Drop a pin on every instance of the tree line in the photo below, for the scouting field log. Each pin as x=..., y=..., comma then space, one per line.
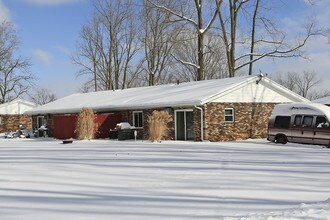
x=130, y=43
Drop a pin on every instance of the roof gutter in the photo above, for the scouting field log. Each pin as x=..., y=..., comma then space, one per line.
x=202, y=122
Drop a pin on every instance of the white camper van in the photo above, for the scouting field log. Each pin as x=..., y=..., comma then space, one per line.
x=300, y=123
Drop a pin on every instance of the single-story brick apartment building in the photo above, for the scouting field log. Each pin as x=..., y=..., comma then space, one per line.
x=212, y=110
x=12, y=114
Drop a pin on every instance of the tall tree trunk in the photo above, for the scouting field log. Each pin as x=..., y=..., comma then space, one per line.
x=151, y=79
x=200, y=70
x=95, y=73
x=253, y=36
x=200, y=32
x=233, y=19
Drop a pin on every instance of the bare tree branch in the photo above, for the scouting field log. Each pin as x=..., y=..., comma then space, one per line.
x=15, y=78
x=266, y=40
x=200, y=30
x=194, y=23
x=303, y=84
x=43, y=96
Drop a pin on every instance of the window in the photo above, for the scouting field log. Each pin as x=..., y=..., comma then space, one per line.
x=297, y=120
x=229, y=115
x=282, y=122
x=307, y=121
x=137, y=119
x=321, y=122
x=1, y=120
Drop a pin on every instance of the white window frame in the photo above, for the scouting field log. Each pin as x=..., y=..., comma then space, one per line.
x=229, y=115
x=138, y=112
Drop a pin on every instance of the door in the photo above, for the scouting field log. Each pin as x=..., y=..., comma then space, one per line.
x=184, y=125
x=303, y=131
x=40, y=121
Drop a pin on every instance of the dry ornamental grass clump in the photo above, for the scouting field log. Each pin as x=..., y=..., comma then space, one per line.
x=158, y=125
x=86, y=124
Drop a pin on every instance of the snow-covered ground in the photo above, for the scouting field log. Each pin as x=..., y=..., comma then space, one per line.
x=104, y=179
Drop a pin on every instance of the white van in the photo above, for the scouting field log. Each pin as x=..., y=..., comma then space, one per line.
x=300, y=123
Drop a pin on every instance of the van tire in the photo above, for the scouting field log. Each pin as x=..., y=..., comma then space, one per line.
x=281, y=139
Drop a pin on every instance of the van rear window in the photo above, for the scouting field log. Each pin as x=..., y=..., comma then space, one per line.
x=282, y=121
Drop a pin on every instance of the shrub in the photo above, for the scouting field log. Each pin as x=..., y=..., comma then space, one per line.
x=158, y=125
x=86, y=124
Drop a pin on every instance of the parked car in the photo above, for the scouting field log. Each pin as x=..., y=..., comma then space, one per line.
x=300, y=123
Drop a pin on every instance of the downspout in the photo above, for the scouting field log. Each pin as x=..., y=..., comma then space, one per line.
x=202, y=122
x=18, y=108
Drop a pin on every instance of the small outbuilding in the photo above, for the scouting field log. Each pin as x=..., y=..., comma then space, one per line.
x=213, y=110
x=12, y=114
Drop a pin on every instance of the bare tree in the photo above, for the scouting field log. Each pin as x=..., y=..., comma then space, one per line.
x=264, y=39
x=120, y=23
x=194, y=14
x=156, y=38
x=109, y=44
x=43, y=96
x=288, y=80
x=214, y=58
x=317, y=94
x=15, y=78
x=304, y=84
x=88, y=55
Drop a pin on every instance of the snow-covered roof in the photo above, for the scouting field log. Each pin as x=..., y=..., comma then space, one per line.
x=17, y=106
x=324, y=100
x=170, y=95
x=301, y=108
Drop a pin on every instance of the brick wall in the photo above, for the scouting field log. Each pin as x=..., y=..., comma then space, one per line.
x=251, y=121
x=11, y=122
x=197, y=124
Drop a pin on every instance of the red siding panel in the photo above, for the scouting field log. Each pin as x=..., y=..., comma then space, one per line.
x=65, y=125
x=105, y=122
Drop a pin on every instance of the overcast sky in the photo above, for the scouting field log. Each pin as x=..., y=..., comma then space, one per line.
x=49, y=30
